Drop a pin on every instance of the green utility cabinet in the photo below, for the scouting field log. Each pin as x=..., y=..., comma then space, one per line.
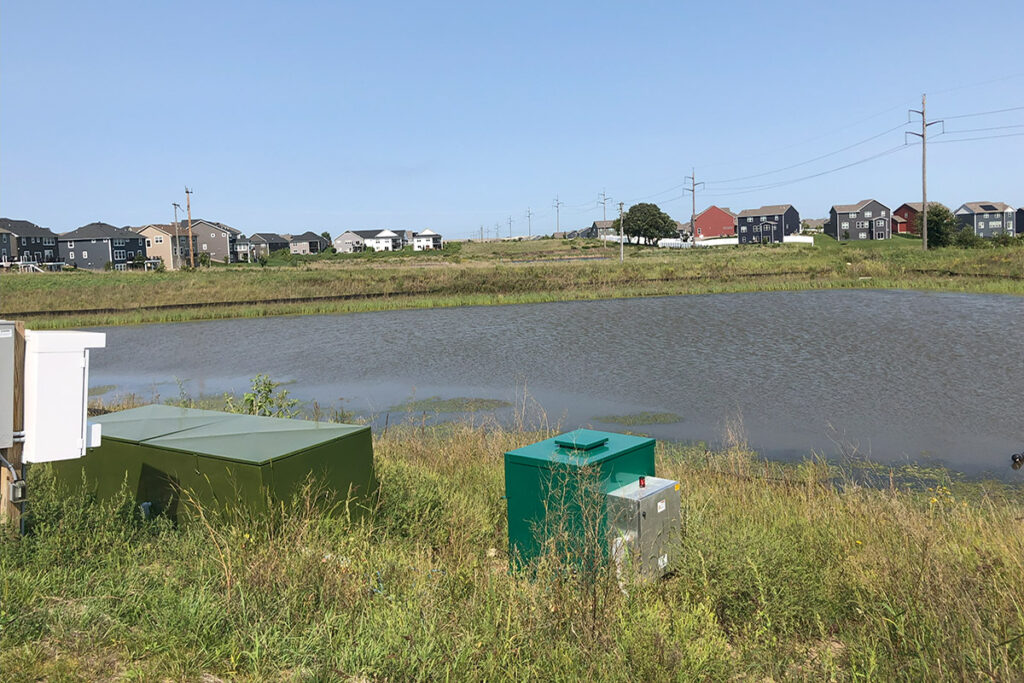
x=549, y=484
x=225, y=460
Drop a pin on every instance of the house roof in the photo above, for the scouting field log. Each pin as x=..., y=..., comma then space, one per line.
x=429, y=233
x=815, y=222
x=773, y=209
x=916, y=206
x=726, y=210
x=166, y=228
x=851, y=208
x=225, y=228
x=308, y=236
x=100, y=231
x=25, y=228
x=603, y=224
x=897, y=219
x=986, y=207
x=266, y=237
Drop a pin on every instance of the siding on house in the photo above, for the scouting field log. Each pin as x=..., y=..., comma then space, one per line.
x=265, y=243
x=715, y=222
x=987, y=219
x=307, y=243
x=426, y=240
x=867, y=219
x=163, y=243
x=909, y=213
x=95, y=245
x=767, y=224
x=29, y=242
x=215, y=239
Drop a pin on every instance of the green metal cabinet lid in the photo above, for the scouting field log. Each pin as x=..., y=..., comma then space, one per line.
x=148, y=422
x=580, y=447
x=582, y=439
x=242, y=438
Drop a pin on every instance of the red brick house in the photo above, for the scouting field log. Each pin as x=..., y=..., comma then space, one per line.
x=907, y=215
x=715, y=222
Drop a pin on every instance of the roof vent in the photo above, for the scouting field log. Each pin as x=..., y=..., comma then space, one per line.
x=582, y=439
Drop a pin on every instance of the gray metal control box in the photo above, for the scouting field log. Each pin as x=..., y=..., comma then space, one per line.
x=6, y=384
x=644, y=525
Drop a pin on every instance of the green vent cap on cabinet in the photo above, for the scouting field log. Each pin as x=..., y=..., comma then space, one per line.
x=582, y=439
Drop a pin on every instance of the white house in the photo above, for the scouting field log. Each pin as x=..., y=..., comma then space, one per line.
x=428, y=239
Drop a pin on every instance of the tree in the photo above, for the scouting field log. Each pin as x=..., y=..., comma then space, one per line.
x=942, y=225
x=647, y=222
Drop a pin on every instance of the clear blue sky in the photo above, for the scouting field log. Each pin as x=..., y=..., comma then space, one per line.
x=288, y=116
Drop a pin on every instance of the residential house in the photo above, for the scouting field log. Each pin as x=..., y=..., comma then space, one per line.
x=1019, y=223
x=598, y=230
x=265, y=243
x=29, y=243
x=904, y=219
x=7, y=239
x=714, y=222
x=215, y=239
x=987, y=219
x=307, y=243
x=95, y=245
x=768, y=224
x=426, y=240
x=350, y=241
x=868, y=219
x=242, y=248
x=169, y=243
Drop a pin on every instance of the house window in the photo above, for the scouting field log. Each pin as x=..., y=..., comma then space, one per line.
x=862, y=224
x=852, y=215
x=204, y=246
x=750, y=219
x=71, y=255
x=995, y=224
x=981, y=225
x=24, y=241
x=149, y=243
x=49, y=241
x=880, y=236
x=120, y=266
x=71, y=244
x=743, y=228
x=880, y=223
x=118, y=243
x=131, y=254
x=119, y=254
x=867, y=214
x=845, y=225
x=159, y=240
x=85, y=254
x=213, y=235
x=881, y=213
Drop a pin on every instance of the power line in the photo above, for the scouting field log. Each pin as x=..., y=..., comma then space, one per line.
x=757, y=188
x=810, y=161
x=985, y=113
x=983, y=137
x=978, y=130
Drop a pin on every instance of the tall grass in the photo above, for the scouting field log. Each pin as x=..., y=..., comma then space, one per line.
x=381, y=284
x=783, y=575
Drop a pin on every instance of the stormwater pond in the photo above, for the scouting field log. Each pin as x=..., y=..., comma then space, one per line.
x=893, y=376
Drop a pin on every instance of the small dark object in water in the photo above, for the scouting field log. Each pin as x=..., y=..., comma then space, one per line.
x=1018, y=460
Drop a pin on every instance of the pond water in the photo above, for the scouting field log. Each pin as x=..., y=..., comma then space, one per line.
x=897, y=376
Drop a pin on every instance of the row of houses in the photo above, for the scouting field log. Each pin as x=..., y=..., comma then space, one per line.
x=99, y=246
x=867, y=219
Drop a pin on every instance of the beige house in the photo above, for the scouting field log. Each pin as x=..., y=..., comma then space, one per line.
x=163, y=243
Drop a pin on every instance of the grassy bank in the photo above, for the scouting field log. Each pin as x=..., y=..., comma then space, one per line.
x=782, y=575
x=494, y=273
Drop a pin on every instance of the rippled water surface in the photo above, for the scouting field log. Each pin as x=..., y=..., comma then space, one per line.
x=897, y=375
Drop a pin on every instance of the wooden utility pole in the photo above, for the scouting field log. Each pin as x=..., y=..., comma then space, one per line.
x=176, y=238
x=191, y=251
x=693, y=206
x=622, y=248
x=8, y=510
x=924, y=170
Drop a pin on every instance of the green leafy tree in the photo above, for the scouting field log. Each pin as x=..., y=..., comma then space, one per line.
x=942, y=226
x=203, y=259
x=647, y=222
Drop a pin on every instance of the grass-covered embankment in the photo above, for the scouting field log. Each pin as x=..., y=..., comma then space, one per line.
x=479, y=274
x=782, y=576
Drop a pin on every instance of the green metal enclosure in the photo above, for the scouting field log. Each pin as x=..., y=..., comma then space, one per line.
x=224, y=460
x=549, y=486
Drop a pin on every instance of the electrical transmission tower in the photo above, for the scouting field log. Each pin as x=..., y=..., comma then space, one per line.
x=558, y=216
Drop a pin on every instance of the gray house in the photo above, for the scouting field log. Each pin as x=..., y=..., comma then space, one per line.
x=987, y=219
x=868, y=219
x=6, y=250
x=768, y=224
x=29, y=242
x=307, y=243
x=352, y=241
x=216, y=239
x=265, y=243
x=377, y=240
x=95, y=245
